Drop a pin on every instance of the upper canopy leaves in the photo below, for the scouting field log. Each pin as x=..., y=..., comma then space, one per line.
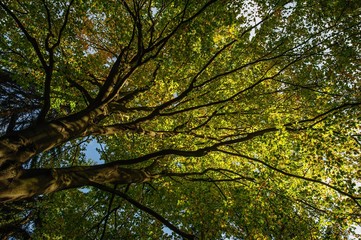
x=227, y=118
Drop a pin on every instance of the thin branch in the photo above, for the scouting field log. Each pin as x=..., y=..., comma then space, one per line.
x=108, y=213
x=324, y=114
x=31, y=39
x=83, y=91
x=204, y=172
x=238, y=154
x=214, y=147
x=63, y=26
x=50, y=33
x=145, y=209
x=50, y=67
x=132, y=94
x=219, y=189
x=161, y=43
x=97, y=225
x=355, y=137
x=190, y=87
x=114, y=81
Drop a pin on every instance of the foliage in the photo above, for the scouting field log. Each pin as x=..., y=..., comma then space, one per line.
x=222, y=119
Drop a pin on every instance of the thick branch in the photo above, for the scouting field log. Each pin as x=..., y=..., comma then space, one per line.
x=18, y=147
x=35, y=182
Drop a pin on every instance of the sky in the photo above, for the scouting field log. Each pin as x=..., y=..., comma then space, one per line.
x=92, y=152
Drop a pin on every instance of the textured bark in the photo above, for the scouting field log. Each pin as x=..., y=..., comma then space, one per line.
x=33, y=182
x=18, y=147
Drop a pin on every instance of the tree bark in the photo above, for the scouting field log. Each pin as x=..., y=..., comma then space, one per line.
x=33, y=182
x=18, y=147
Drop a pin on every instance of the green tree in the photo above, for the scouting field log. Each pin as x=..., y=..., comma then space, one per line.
x=215, y=119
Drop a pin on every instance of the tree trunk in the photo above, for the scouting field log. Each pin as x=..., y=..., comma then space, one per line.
x=33, y=182
x=18, y=147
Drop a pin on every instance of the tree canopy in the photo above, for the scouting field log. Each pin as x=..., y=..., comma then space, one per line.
x=214, y=119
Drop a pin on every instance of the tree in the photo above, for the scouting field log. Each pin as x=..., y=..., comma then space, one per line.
x=214, y=119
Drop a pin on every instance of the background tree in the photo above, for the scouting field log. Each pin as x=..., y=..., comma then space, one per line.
x=214, y=119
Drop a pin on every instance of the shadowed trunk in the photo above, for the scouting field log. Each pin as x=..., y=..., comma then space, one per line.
x=35, y=182
x=18, y=147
